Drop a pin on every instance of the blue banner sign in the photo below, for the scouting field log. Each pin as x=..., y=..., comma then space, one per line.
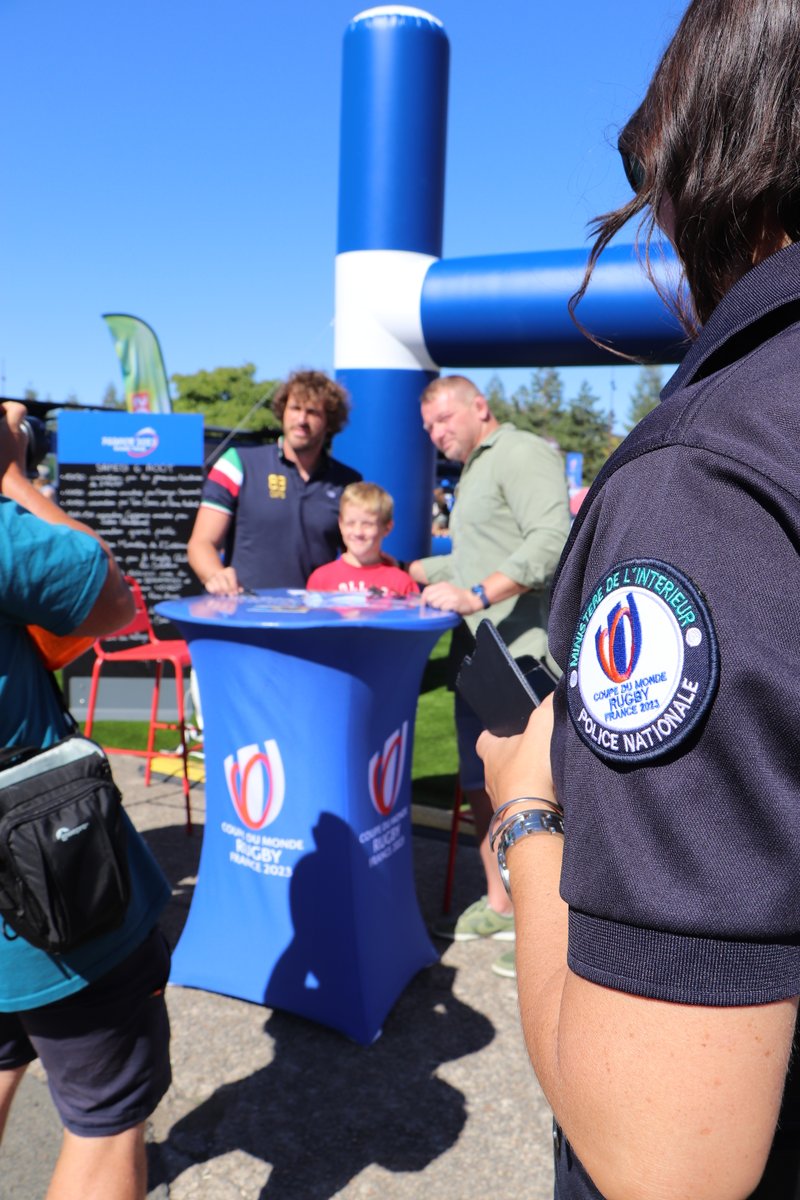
x=131, y=439
x=574, y=460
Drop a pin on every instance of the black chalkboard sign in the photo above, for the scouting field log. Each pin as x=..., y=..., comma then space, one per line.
x=146, y=514
x=136, y=480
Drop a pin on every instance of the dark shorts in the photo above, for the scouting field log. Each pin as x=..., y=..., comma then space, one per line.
x=105, y=1049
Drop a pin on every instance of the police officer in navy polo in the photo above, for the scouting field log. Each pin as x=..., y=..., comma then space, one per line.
x=647, y=822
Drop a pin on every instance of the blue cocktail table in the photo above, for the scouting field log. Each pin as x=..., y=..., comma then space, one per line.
x=305, y=896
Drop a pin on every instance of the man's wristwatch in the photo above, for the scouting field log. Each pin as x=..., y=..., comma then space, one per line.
x=480, y=591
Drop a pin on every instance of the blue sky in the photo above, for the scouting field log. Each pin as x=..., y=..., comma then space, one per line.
x=179, y=161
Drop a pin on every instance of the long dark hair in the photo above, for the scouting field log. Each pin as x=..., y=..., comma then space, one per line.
x=717, y=143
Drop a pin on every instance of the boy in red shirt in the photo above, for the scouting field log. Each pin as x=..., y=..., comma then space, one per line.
x=365, y=519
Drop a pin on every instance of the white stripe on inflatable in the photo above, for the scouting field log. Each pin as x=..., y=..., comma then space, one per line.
x=399, y=10
x=378, y=324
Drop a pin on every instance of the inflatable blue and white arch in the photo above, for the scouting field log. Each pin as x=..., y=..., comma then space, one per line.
x=402, y=312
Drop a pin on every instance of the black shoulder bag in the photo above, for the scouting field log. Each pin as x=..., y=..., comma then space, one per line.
x=64, y=875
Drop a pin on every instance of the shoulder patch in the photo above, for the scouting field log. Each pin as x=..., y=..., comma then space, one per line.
x=644, y=663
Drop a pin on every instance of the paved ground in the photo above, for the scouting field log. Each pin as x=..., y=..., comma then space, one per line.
x=267, y=1106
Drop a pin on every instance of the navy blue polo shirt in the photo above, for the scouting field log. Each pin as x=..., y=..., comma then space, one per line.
x=675, y=620
x=283, y=527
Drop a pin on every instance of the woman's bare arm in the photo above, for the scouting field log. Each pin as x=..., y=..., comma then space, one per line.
x=660, y=1101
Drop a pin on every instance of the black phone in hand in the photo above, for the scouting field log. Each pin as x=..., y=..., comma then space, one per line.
x=501, y=690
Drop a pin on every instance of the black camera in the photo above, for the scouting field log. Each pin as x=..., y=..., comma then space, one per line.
x=39, y=442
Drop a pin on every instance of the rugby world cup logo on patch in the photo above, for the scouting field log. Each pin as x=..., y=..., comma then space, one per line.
x=644, y=664
x=618, y=644
x=386, y=771
x=256, y=783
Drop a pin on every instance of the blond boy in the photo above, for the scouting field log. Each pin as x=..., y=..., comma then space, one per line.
x=365, y=519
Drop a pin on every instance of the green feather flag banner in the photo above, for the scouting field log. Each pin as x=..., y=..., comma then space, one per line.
x=143, y=374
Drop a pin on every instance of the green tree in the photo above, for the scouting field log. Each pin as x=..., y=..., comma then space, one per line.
x=539, y=406
x=583, y=427
x=644, y=396
x=573, y=425
x=112, y=398
x=225, y=397
x=495, y=393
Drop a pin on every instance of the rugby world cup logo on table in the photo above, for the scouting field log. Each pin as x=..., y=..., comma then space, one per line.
x=386, y=771
x=256, y=783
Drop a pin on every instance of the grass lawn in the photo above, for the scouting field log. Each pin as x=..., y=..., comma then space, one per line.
x=433, y=768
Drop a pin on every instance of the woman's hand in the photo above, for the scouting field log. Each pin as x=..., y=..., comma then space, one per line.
x=520, y=766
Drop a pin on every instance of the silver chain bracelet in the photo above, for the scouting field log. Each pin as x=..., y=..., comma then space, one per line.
x=519, y=826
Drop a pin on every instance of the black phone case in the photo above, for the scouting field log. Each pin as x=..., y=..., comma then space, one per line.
x=498, y=689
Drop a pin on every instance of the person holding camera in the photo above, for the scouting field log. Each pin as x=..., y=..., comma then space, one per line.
x=648, y=820
x=95, y=1016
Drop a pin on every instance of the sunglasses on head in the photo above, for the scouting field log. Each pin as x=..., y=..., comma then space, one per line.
x=633, y=168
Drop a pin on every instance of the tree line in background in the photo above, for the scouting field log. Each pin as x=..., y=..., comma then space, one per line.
x=230, y=397
x=226, y=396
x=576, y=424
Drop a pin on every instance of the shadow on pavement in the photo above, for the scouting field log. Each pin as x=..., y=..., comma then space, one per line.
x=325, y=1108
x=178, y=855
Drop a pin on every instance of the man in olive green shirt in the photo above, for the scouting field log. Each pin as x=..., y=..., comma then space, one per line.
x=508, y=527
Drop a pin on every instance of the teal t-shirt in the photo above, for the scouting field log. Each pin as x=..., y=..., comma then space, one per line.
x=51, y=575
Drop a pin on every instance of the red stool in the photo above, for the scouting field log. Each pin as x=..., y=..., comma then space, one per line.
x=157, y=651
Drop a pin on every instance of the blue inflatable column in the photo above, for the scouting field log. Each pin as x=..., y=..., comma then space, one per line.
x=391, y=203
x=512, y=310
